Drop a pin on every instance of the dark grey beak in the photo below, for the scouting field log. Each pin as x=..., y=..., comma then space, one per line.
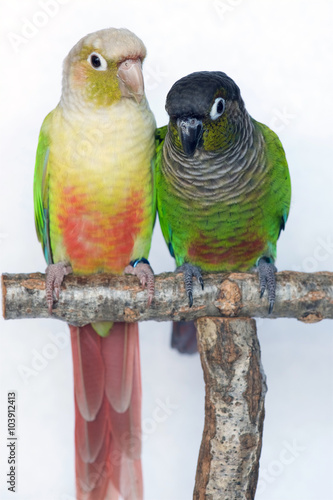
x=190, y=132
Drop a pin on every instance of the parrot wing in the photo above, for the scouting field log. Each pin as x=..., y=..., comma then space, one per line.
x=41, y=189
x=280, y=183
x=159, y=141
x=160, y=134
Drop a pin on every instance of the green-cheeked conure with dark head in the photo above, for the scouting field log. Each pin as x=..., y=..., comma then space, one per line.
x=223, y=185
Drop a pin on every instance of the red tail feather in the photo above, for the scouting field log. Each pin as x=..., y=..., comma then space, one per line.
x=107, y=387
x=119, y=346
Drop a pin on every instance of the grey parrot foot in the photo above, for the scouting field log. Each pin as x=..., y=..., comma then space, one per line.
x=141, y=268
x=189, y=271
x=55, y=274
x=267, y=281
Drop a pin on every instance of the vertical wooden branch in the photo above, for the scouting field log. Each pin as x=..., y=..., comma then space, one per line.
x=228, y=461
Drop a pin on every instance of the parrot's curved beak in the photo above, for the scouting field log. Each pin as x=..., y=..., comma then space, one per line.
x=190, y=133
x=131, y=79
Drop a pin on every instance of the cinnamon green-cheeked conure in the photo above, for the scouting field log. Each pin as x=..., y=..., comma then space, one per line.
x=94, y=212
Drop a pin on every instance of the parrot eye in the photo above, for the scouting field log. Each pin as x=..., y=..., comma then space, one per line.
x=97, y=61
x=217, y=108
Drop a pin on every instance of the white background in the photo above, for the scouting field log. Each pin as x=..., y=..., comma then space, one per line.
x=279, y=52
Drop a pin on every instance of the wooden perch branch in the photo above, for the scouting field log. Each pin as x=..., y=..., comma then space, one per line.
x=83, y=299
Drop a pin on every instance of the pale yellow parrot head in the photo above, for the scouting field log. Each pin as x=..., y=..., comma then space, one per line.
x=104, y=67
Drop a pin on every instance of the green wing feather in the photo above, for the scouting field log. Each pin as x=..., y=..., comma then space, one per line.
x=160, y=134
x=41, y=191
x=166, y=230
x=280, y=183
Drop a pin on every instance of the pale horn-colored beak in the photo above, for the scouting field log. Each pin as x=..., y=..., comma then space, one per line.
x=131, y=79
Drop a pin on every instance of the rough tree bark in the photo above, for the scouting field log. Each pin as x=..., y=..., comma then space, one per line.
x=83, y=299
x=235, y=383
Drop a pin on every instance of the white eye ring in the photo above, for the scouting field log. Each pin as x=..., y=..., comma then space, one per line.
x=217, y=108
x=97, y=61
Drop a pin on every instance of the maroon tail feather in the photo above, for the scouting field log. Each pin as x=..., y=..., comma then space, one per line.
x=107, y=386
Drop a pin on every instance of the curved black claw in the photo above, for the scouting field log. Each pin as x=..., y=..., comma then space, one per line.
x=55, y=274
x=189, y=271
x=267, y=272
x=190, y=297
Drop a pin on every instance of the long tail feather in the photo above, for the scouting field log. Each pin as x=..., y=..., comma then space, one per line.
x=107, y=386
x=120, y=346
x=88, y=370
x=90, y=435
